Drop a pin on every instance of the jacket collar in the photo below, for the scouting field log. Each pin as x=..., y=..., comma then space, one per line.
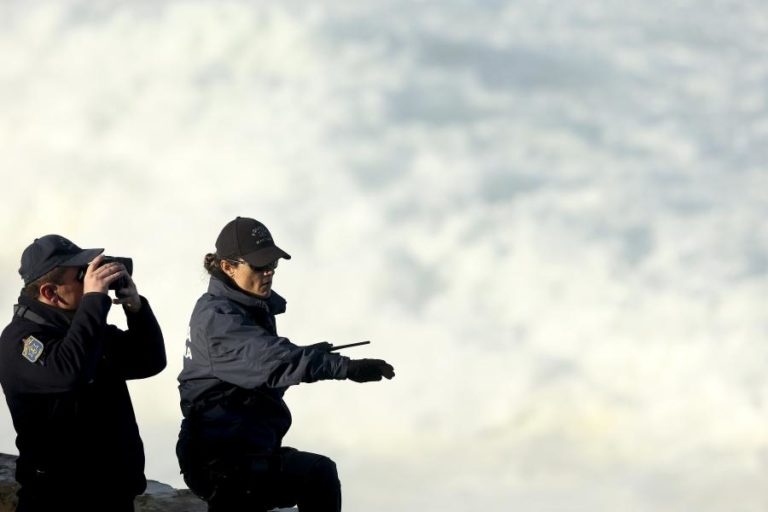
x=43, y=314
x=275, y=304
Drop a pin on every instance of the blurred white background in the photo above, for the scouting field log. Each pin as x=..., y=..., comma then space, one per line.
x=549, y=216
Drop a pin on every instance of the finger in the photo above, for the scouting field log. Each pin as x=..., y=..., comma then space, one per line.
x=126, y=277
x=111, y=276
x=102, y=270
x=112, y=267
x=95, y=262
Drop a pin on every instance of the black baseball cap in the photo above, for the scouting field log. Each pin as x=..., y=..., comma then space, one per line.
x=248, y=239
x=49, y=252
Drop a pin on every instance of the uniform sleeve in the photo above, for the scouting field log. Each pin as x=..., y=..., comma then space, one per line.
x=245, y=354
x=138, y=352
x=69, y=361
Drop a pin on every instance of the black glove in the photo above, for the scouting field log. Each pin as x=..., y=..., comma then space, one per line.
x=367, y=370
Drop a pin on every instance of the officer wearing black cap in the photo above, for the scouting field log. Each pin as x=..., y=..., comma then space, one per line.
x=63, y=370
x=236, y=370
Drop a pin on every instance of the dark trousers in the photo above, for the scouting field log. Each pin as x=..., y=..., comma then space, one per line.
x=258, y=483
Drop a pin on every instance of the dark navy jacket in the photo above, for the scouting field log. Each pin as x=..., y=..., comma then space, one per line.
x=236, y=370
x=70, y=405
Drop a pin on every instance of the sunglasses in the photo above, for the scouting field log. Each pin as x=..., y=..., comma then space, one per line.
x=263, y=268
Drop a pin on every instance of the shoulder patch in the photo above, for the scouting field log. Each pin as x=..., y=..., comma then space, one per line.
x=33, y=349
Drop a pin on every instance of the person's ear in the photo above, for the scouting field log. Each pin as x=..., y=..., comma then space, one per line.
x=227, y=267
x=48, y=292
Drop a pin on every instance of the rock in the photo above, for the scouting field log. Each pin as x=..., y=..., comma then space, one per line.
x=8, y=485
x=159, y=497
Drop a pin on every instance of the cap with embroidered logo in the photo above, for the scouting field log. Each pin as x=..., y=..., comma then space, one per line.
x=248, y=239
x=49, y=252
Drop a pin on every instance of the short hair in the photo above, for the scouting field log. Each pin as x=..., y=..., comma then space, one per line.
x=55, y=276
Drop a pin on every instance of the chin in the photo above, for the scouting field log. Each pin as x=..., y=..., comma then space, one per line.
x=260, y=294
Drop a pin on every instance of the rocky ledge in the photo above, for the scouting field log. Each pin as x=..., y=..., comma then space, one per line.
x=159, y=497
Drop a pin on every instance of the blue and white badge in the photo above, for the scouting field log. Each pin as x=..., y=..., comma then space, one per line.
x=33, y=349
